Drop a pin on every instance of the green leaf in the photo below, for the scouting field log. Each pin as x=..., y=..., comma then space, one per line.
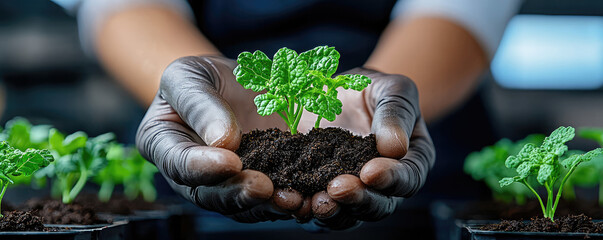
x=253, y=71
x=18, y=133
x=289, y=73
x=66, y=164
x=353, y=81
x=66, y=145
x=14, y=162
x=507, y=181
x=525, y=169
x=323, y=105
x=574, y=160
x=269, y=103
x=555, y=143
x=545, y=172
x=323, y=59
x=30, y=161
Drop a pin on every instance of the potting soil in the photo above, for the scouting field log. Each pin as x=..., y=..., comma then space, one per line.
x=306, y=162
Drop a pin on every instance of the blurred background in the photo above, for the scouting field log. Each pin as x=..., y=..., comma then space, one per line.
x=547, y=72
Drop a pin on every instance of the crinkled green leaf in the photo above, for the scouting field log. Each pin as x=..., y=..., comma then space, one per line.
x=323, y=59
x=289, y=73
x=30, y=161
x=253, y=71
x=555, y=143
x=14, y=162
x=507, y=181
x=353, y=81
x=269, y=103
x=574, y=160
x=323, y=105
x=545, y=172
x=513, y=162
x=525, y=169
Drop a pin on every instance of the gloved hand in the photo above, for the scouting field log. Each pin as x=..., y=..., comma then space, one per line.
x=389, y=108
x=191, y=130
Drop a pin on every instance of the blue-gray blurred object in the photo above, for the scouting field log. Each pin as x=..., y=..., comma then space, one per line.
x=551, y=52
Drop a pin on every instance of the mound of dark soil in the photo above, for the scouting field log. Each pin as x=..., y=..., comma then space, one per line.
x=306, y=162
x=573, y=223
x=55, y=212
x=21, y=221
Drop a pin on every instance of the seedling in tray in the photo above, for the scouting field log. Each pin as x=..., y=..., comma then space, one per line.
x=543, y=162
x=14, y=162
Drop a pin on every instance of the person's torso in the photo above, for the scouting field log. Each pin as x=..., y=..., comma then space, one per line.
x=353, y=27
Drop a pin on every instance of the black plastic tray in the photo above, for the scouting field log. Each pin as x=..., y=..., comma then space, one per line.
x=112, y=231
x=471, y=232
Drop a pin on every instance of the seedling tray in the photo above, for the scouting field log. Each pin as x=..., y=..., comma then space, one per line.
x=472, y=232
x=72, y=232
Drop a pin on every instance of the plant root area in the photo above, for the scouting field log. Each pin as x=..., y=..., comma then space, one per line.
x=21, y=221
x=306, y=162
x=573, y=223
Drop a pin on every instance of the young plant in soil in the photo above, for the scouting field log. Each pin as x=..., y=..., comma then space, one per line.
x=14, y=162
x=293, y=82
x=77, y=160
x=128, y=168
x=543, y=163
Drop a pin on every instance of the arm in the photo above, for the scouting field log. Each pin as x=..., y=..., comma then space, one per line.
x=137, y=44
x=441, y=57
x=443, y=45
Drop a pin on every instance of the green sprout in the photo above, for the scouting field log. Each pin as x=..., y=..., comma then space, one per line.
x=488, y=165
x=294, y=82
x=128, y=168
x=14, y=162
x=543, y=162
x=77, y=160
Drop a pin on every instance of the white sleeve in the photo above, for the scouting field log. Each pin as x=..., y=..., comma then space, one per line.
x=484, y=19
x=92, y=13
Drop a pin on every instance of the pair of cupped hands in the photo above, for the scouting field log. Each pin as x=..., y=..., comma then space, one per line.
x=196, y=121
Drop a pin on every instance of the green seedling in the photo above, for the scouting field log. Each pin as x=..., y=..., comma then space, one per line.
x=543, y=163
x=21, y=134
x=294, y=82
x=140, y=180
x=14, y=162
x=488, y=165
x=77, y=160
x=128, y=168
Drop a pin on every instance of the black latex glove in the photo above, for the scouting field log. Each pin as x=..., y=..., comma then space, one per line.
x=191, y=130
x=389, y=108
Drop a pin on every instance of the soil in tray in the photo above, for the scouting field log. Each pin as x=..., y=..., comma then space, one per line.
x=573, y=223
x=306, y=162
x=55, y=212
x=21, y=221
